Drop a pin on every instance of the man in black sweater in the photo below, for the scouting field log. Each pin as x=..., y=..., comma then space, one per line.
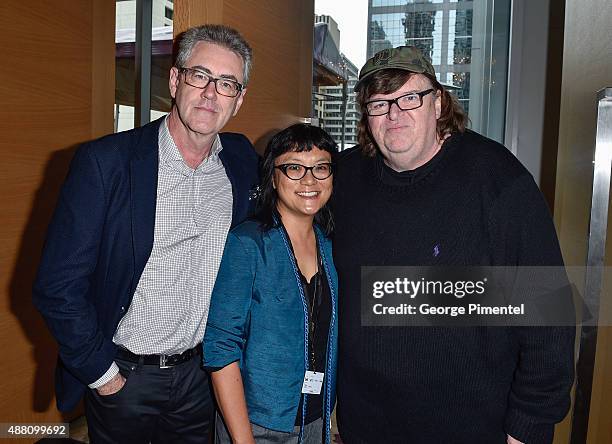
x=421, y=190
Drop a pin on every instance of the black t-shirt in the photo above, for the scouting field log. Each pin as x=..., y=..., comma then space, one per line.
x=319, y=311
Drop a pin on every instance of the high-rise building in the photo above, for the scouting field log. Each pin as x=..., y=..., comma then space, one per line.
x=334, y=106
x=329, y=108
x=378, y=38
x=332, y=27
x=441, y=29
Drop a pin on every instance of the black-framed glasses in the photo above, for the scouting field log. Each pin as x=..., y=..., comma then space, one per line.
x=200, y=79
x=413, y=100
x=296, y=171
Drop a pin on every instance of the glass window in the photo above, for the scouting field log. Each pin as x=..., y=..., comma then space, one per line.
x=125, y=73
x=467, y=43
x=466, y=40
x=391, y=2
x=161, y=60
x=161, y=57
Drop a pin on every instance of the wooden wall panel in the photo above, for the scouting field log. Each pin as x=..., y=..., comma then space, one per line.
x=280, y=33
x=57, y=69
x=188, y=13
x=306, y=27
x=587, y=67
x=103, y=68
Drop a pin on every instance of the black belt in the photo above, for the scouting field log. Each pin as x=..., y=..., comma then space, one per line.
x=163, y=361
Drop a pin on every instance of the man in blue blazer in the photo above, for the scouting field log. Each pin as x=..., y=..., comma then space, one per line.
x=133, y=250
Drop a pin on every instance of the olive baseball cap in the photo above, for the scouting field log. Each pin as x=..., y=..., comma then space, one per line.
x=408, y=58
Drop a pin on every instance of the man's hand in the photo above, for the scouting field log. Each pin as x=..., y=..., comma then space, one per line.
x=512, y=440
x=113, y=386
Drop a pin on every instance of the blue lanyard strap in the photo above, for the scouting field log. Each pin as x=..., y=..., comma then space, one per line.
x=292, y=259
x=327, y=416
x=285, y=236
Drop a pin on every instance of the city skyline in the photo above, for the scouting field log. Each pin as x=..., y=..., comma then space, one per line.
x=352, y=19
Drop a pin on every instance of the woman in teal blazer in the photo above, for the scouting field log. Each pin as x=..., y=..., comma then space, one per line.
x=271, y=335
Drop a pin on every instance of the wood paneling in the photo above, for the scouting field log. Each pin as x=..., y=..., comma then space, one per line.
x=280, y=33
x=57, y=87
x=103, y=68
x=188, y=13
x=587, y=67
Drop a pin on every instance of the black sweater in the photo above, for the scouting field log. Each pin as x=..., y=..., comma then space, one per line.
x=472, y=204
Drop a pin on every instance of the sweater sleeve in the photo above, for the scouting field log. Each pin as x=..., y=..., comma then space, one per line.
x=522, y=234
x=228, y=316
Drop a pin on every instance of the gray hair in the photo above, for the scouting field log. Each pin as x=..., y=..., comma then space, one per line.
x=220, y=35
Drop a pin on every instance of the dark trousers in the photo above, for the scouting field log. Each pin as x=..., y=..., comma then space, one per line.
x=157, y=405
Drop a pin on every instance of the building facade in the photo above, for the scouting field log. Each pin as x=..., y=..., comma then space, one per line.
x=442, y=29
x=335, y=104
x=467, y=42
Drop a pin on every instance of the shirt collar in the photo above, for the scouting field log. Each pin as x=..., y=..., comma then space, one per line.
x=169, y=152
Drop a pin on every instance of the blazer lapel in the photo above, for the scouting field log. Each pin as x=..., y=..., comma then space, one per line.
x=227, y=159
x=143, y=177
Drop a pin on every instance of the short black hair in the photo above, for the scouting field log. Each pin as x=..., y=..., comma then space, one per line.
x=297, y=138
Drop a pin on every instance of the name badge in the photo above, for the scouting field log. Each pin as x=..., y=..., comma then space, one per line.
x=313, y=382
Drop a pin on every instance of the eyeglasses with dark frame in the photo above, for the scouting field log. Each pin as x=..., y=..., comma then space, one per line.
x=200, y=79
x=406, y=102
x=296, y=171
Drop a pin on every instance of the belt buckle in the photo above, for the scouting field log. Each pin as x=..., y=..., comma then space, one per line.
x=162, y=361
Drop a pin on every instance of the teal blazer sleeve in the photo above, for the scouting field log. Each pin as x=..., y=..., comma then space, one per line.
x=228, y=317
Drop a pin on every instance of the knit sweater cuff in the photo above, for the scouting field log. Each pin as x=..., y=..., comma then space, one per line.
x=525, y=429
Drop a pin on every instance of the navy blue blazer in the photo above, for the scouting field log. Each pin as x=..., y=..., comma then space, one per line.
x=99, y=240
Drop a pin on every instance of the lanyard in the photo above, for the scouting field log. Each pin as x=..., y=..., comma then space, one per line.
x=313, y=320
x=313, y=316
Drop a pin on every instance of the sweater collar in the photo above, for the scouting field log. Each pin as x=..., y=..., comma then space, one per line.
x=389, y=176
